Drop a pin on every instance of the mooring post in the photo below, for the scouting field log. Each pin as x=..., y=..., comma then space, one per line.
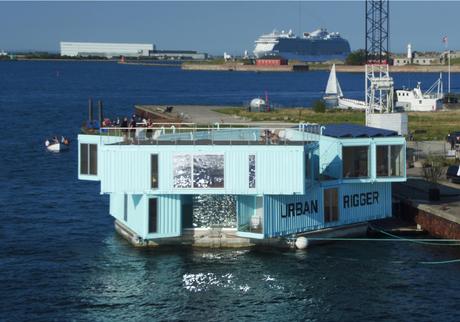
x=101, y=116
x=90, y=109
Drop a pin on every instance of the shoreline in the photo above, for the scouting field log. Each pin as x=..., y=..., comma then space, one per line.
x=239, y=67
x=312, y=67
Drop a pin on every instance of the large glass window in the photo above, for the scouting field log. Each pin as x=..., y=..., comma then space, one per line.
x=251, y=215
x=154, y=171
x=88, y=159
x=389, y=160
x=355, y=161
x=331, y=205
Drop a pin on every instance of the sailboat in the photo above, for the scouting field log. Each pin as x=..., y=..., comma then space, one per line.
x=334, y=96
x=333, y=90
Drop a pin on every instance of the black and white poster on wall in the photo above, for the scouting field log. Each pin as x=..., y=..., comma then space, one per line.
x=198, y=171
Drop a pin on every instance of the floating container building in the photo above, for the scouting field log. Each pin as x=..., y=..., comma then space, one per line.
x=258, y=182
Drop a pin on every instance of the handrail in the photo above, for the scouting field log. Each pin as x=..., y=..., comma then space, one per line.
x=211, y=135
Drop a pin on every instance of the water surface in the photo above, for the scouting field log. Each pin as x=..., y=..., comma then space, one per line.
x=60, y=258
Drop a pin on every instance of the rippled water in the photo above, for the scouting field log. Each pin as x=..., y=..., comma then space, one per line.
x=61, y=260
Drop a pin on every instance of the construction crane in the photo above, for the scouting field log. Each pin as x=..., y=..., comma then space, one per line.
x=379, y=85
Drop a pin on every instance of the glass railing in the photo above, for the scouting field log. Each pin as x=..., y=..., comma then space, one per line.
x=218, y=134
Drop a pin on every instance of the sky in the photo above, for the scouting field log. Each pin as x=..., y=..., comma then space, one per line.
x=215, y=27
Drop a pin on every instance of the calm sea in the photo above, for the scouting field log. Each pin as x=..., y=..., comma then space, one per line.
x=61, y=260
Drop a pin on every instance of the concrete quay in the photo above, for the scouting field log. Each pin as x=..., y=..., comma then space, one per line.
x=198, y=114
x=439, y=219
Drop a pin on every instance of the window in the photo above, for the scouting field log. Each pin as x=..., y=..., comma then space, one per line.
x=88, y=159
x=154, y=171
x=355, y=161
x=252, y=171
x=331, y=205
x=153, y=209
x=125, y=207
x=389, y=160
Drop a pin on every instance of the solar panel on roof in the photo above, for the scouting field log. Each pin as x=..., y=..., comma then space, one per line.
x=355, y=131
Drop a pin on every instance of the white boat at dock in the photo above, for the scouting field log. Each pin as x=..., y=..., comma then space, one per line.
x=417, y=101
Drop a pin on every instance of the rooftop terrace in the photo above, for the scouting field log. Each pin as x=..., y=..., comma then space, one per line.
x=218, y=134
x=235, y=134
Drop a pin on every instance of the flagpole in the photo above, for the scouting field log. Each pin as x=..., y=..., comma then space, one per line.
x=448, y=58
x=446, y=42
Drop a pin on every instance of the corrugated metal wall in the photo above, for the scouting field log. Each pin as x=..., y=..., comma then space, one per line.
x=278, y=221
x=279, y=169
x=168, y=215
x=330, y=157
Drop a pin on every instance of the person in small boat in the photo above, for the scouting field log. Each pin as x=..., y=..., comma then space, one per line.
x=65, y=140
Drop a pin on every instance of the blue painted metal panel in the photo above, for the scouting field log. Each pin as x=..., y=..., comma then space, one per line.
x=136, y=211
x=279, y=169
x=94, y=139
x=348, y=130
x=330, y=157
x=280, y=221
x=169, y=214
x=245, y=208
x=169, y=217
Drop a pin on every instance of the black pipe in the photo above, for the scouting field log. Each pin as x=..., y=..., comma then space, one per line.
x=90, y=109
x=101, y=117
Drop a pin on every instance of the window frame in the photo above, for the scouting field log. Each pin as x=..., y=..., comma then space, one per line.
x=389, y=149
x=154, y=185
x=88, y=151
x=369, y=161
x=152, y=226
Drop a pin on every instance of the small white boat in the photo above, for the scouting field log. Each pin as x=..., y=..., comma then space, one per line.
x=57, y=146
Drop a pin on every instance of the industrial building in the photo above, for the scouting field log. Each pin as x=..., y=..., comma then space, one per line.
x=86, y=49
x=259, y=182
x=178, y=54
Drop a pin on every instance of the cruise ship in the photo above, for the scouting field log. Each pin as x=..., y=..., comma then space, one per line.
x=319, y=45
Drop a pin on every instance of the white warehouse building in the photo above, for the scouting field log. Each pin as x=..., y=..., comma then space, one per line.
x=104, y=49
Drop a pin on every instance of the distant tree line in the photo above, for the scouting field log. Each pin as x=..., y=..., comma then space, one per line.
x=357, y=57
